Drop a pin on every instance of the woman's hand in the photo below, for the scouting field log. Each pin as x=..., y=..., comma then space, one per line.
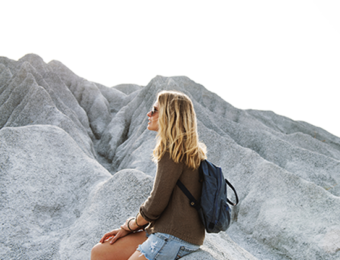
x=115, y=234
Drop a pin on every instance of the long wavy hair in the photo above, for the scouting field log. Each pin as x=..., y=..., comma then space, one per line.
x=177, y=130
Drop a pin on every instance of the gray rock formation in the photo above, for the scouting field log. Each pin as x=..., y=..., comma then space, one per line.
x=75, y=163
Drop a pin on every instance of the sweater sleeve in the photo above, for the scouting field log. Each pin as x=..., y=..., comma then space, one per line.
x=168, y=172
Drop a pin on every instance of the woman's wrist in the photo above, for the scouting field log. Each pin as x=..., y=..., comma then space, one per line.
x=141, y=222
x=136, y=222
x=132, y=224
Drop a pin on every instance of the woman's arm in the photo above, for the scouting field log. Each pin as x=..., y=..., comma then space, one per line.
x=168, y=172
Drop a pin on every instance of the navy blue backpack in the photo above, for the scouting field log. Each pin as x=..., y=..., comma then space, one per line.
x=213, y=206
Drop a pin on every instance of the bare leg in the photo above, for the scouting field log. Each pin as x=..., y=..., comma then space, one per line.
x=122, y=249
x=137, y=256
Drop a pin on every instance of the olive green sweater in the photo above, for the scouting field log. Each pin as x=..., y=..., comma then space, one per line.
x=167, y=207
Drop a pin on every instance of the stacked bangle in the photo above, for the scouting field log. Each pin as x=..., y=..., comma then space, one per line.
x=135, y=219
x=137, y=223
x=128, y=226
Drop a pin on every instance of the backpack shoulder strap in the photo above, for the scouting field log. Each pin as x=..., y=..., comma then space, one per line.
x=231, y=186
x=227, y=182
x=193, y=202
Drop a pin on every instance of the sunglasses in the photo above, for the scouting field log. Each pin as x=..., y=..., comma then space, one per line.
x=153, y=111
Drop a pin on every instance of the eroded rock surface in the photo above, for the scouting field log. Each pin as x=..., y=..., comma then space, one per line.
x=75, y=163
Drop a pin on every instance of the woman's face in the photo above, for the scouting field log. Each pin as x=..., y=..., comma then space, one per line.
x=153, y=117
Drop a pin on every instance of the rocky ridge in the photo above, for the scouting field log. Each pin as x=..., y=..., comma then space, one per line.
x=75, y=163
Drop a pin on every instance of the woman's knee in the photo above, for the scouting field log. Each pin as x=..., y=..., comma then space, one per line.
x=106, y=251
x=97, y=252
x=93, y=253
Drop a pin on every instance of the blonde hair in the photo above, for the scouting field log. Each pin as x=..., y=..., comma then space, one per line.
x=177, y=130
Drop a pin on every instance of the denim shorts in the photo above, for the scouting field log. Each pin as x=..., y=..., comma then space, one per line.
x=162, y=246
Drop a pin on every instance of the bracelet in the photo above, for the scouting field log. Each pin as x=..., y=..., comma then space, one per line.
x=128, y=226
x=136, y=221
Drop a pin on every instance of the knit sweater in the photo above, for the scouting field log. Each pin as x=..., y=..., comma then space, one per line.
x=167, y=208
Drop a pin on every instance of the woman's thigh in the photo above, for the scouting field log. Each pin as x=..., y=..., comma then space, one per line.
x=137, y=256
x=122, y=249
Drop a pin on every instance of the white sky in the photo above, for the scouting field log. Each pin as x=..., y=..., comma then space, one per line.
x=282, y=56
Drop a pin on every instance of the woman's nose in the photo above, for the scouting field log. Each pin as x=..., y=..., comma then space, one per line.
x=149, y=114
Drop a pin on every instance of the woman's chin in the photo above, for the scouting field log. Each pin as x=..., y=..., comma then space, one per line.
x=152, y=128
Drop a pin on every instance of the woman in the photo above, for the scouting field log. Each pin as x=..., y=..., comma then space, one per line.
x=174, y=229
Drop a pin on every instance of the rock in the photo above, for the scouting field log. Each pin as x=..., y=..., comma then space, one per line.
x=24, y=102
x=330, y=242
x=46, y=180
x=128, y=88
x=88, y=96
x=75, y=162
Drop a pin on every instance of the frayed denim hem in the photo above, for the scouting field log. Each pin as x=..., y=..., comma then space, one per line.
x=142, y=253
